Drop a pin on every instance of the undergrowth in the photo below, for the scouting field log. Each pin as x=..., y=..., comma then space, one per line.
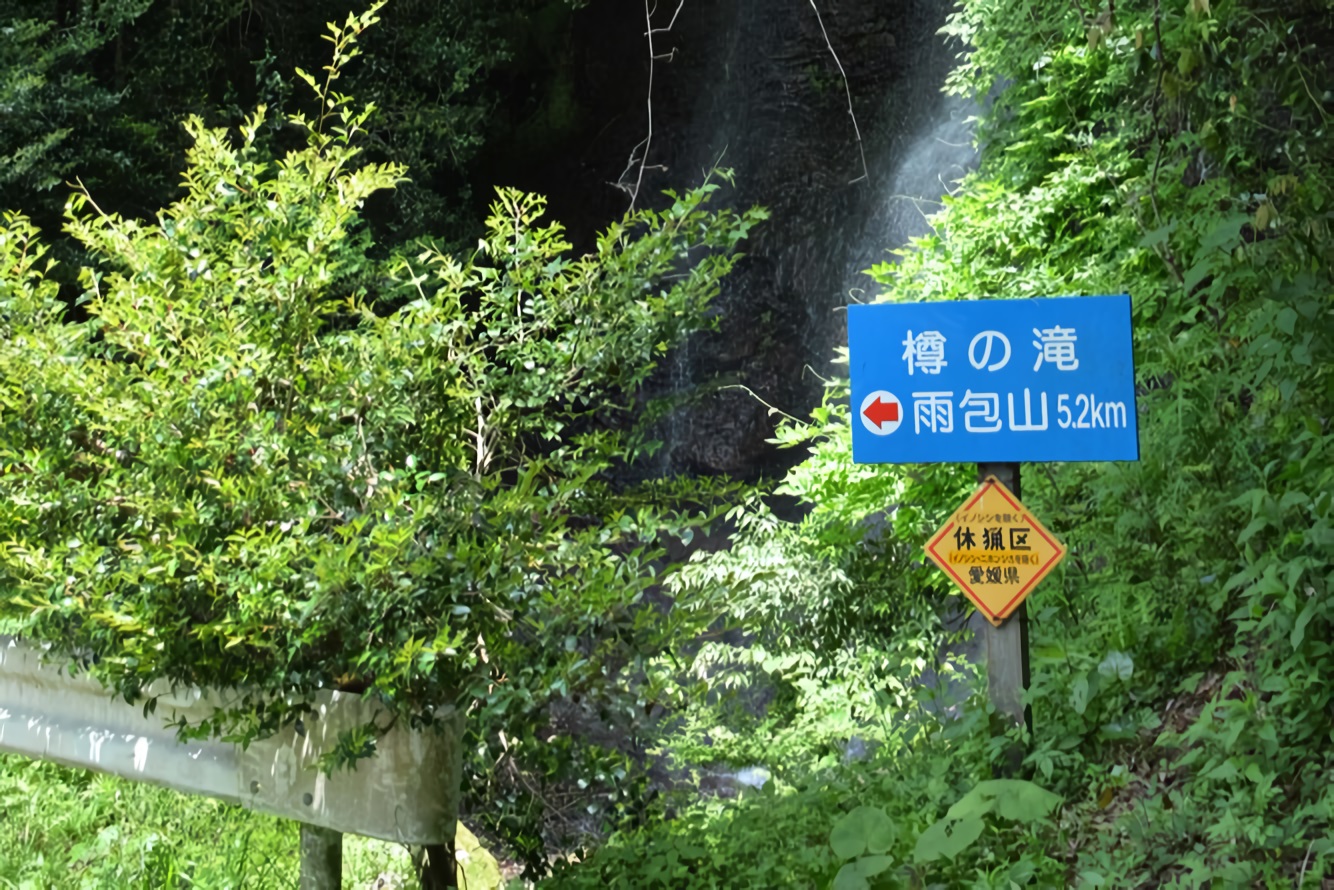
x=64, y=828
x=1182, y=711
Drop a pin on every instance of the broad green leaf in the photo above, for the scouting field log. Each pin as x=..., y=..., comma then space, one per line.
x=1158, y=236
x=864, y=829
x=1198, y=271
x=850, y=878
x=853, y=875
x=1118, y=665
x=1018, y=800
x=870, y=866
x=1223, y=772
x=1225, y=232
x=947, y=838
x=975, y=804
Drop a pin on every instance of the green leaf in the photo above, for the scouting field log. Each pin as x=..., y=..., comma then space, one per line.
x=1018, y=800
x=850, y=878
x=1225, y=234
x=1303, y=618
x=870, y=866
x=1118, y=665
x=974, y=804
x=946, y=838
x=861, y=830
x=1158, y=236
x=854, y=874
x=1079, y=695
x=1198, y=271
x=1223, y=772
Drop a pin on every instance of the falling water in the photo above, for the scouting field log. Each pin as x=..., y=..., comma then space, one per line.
x=757, y=86
x=939, y=152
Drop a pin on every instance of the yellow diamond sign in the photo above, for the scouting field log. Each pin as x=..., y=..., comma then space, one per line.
x=995, y=550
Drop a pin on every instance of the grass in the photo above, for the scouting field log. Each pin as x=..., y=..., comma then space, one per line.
x=66, y=828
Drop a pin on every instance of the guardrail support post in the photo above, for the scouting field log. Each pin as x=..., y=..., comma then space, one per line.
x=321, y=858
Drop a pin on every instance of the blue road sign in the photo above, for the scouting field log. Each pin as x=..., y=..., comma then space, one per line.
x=1049, y=379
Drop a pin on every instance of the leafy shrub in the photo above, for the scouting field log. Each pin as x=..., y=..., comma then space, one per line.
x=244, y=471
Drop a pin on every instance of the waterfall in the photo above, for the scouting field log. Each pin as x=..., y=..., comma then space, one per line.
x=937, y=155
x=755, y=87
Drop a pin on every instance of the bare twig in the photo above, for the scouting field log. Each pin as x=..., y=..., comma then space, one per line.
x=1314, y=101
x=652, y=58
x=673, y=21
x=1306, y=860
x=755, y=396
x=630, y=165
x=866, y=175
x=483, y=460
x=807, y=369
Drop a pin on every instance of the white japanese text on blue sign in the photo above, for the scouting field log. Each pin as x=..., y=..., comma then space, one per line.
x=993, y=380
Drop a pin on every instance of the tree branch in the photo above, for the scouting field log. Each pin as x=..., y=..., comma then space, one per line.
x=866, y=175
x=652, y=58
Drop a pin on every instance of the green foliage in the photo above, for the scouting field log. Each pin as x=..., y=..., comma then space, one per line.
x=95, y=92
x=768, y=841
x=1179, y=153
x=829, y=823
x=1011, y=799
x=1208, y=201
x=819, y=583
x=418, y=502
x=234, y=473
x=75, y=829
x=70, y=828
x=863, y=836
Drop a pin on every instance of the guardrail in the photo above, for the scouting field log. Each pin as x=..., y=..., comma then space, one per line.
x=408, y=792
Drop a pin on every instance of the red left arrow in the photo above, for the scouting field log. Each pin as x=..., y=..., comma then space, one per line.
x=881, y=412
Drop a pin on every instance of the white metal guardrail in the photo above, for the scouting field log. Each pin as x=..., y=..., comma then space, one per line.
x=407, y=793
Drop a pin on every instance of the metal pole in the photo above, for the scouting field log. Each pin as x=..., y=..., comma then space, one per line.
x=1007, y=645
x=436, y=867
x=321, y=858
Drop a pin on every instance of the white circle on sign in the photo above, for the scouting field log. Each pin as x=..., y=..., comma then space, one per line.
x=881, y=412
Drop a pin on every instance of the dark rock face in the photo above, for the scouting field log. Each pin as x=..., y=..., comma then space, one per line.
x=754, y=86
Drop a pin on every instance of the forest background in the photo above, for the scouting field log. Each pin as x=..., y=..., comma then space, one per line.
x=1182, y=712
